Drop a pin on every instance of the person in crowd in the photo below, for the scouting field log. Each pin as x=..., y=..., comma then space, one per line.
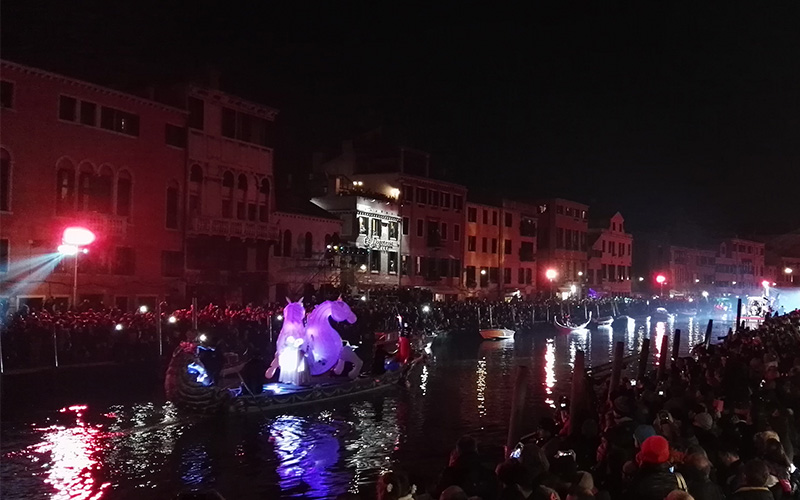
x=394, y=485
x=756, y=475
x=696, y=470
x=654, y=478
x=466, y=471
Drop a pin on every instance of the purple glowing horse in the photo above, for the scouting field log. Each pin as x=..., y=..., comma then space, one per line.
x=325, y=344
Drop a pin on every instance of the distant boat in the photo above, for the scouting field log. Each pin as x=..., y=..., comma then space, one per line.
x=497, y=333
x=604, y=320
x=568, y=326
x=661, y=314
x=688, y=312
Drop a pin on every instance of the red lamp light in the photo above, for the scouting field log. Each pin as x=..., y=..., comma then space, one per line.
x=78, y=236
x=660, y=279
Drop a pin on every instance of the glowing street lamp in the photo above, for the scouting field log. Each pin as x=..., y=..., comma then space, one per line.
x=143, y=309
x=72, y=240
x=172, y=320
x=660, y=279
x=705, y=294
x=426, y=308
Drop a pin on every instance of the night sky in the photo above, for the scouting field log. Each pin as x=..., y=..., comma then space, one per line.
x=668, y=113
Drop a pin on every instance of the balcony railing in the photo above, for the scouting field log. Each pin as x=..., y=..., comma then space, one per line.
x=107, y=225
x=233, y=228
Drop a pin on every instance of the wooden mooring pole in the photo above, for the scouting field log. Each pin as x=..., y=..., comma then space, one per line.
x=644, y=357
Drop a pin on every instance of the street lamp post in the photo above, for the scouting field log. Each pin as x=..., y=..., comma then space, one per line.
x=72, y=240
x=660, y=279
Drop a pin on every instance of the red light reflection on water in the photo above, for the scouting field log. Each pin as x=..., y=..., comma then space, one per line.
x=72, y=457
x=550, y=372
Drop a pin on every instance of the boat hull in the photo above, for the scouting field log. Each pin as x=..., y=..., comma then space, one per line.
x=497, y=334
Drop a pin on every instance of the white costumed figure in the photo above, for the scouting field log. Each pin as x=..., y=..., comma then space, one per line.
x=293, y=363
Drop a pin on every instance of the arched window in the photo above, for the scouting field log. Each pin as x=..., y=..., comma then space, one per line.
x=65, y=187
x=241, y=197
x=308, y=247
x=263, y=201
x=103, y=191
x=124, y=186
x=173, y=204
x=227, y=194
x=5, y=181
x=85, y=182
x=287, y=243
x=195, y=190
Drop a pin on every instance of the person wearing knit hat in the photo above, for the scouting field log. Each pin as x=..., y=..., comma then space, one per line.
x=704, y=421
x=641, y=433
x=654, y=480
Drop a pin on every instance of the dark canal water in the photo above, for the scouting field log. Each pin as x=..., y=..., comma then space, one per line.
x=105, y=439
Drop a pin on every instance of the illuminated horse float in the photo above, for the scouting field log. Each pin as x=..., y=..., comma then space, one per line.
x=309, y=361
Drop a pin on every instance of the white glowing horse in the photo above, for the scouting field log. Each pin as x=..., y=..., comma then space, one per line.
x=325, y=344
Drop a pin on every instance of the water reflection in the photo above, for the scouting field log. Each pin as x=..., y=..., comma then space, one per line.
x=480, y=385
x=550, y=372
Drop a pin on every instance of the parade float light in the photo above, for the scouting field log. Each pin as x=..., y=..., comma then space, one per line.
x=142, y=309
x=705, y=294
x=641, y=278
x=363, y=298
x=279, y=317
x=426, y=308
x=172, y=320
x=363, y=267
x=202, y=337
x=697, y=280
x=118, y=327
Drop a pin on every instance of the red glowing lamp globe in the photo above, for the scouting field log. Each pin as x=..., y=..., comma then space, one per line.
x=660, y=279
x=77, y=236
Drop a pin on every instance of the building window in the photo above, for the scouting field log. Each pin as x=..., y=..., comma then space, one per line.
x=393, y=231
x=119, y=121
x=527, y=227
x=287, y=243
x=6, y=94
x=125, y=261
x=4, y=255
x=406, y=223
x=484, y=279
x=363, y=225
x=195, y=190
x=392, y=262
x=420, y=228
x=84, y=186
x=65, y=187
x=375, y=228
x=472, y=214
x=67, y=108
x=494, y=245
x=245, y=127
x=241, y=194
x=407, y=193
x=5, y=181
x=560, y=209
x=434, y=198
x=418, y=266
x=263, y=202
x=404, y=263
x=228, y=123
x=89, y=115
x=456, y=232
x=124, y=188
x=507, y=275
x=559, y=237
x=484, y=245
x=471, y=244
x=375, y=261
x=173, y=202
x=443, y=230
x=455, y=270
x=521, y=276
x=227, y=195
x=494, y=274
x=507, y=247
x=252, y=211
x=175, y=135
x=458, y=202
x=485, y=216
x=422, y=196
x=528, y=276
x=196, y=109
x=308, y=244
x=471, y=276
x=171, y=264
x=494, y=217
x=509, y=220
x=445, y=200
x=526, y=251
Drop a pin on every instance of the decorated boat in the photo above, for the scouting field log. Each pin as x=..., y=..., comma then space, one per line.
x=497, y=333
x=310, y=359
x=565, y=325
x=661, y=314
x=604, y=321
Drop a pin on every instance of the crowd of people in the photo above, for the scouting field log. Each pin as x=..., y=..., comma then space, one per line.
x=720, y=424
x=34, y=338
